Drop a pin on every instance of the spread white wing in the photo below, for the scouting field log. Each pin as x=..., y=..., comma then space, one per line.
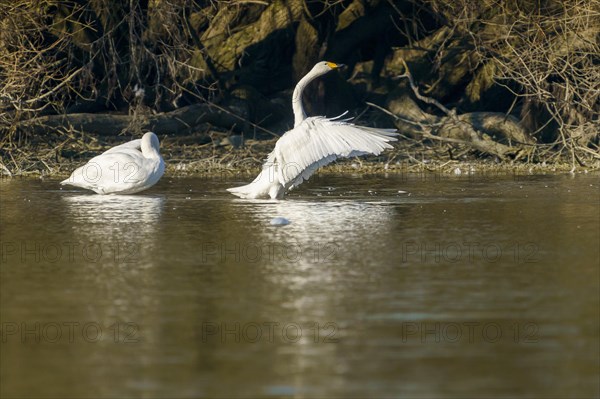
x=318, y=141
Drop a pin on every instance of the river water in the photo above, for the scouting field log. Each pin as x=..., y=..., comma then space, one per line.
x=398, y=285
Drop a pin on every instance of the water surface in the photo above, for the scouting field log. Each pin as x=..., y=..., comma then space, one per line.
x=398, y=285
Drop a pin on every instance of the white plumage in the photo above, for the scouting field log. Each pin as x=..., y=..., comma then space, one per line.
x=125, y=169
x=312, y=143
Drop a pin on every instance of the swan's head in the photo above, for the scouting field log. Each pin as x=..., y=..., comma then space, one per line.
x=323, y=67
x=150, y=142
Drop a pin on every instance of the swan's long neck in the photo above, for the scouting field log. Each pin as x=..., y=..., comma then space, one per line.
x=150, y=147
x=299, y=114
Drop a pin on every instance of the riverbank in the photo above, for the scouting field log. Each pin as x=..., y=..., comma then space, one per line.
x=220, y=157
x=446, y=76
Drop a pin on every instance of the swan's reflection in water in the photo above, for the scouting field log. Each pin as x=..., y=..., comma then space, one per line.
x=126, y=218
x=329, y=251
x=328, y=244
x=321, y=220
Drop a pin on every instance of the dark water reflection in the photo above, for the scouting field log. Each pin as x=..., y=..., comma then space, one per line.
x=465, y=286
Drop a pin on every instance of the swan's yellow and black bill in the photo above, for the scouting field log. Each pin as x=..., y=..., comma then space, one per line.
x=333, y=65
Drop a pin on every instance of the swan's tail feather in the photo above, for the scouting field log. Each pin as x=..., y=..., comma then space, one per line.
x=71, y=181
x=266, y=185
x=75, y=183
x=247, y=191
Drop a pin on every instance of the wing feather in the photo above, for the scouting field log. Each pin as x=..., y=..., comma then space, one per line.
x=318, y=141
x=130, y=145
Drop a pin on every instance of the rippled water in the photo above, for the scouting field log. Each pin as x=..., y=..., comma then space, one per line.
x=468, y=286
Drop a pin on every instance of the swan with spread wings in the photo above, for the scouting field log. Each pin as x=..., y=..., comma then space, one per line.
x=313, y=142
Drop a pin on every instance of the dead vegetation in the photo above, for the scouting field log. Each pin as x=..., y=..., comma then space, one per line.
x=514, y=81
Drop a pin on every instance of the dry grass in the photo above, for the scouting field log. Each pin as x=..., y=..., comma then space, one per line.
x=215, y=160
x=547, y=53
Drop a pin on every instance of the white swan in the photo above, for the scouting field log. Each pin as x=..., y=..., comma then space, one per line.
x=312, y=143
x=125, y=169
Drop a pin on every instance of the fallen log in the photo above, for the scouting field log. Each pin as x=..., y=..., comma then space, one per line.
x=181, y=121
x=488, y=132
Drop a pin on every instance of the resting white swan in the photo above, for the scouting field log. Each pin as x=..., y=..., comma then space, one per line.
x=125, y=169
x=312, y=143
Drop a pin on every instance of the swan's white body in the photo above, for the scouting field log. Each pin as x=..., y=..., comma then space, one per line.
x=125, y=169
x=312, y=143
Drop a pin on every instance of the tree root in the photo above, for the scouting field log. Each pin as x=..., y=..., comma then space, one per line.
x=489, y=132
